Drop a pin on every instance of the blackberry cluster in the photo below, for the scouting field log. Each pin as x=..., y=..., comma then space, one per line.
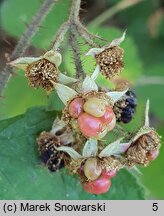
x=125, y=108
x=52, y=158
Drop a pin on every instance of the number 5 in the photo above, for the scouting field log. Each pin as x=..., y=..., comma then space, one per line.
x=155, y=207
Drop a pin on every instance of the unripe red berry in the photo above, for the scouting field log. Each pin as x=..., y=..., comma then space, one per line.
x=103, y=133
x=91, y=169
x=99, y=186
x=108, y=174
x=112, y=124
x=76, y=107
x=108, y=116
x=95, y=107
x=89, y=125
x=153, y=155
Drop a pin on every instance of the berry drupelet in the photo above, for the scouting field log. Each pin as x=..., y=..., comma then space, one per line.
x=49, y=156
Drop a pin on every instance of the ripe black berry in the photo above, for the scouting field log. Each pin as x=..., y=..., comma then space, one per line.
x=55, y=164
x=52, y=158
x=125, y=108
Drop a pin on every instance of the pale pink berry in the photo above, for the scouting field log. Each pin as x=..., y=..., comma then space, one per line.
x=99, y=186
x=109, y=174
x=103, y=133
x=91, y=169
x=89, y=125
x=112, y=124
x=153, y=155
x=95, y=107
x=76, y=107
x=108, y=116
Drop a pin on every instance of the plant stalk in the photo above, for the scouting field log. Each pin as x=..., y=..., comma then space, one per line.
x=25, y=40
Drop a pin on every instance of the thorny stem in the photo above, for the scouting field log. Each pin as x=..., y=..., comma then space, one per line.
x=73, y=17
x=112, y=11
x=60, y=35
x=25, y=39
x=76, y=52
x=80, y=28
x=75, y=8
x=87, y=35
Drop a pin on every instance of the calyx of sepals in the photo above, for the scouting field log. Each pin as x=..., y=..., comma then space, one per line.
x=95, y=51
x=115, y=42
x=59, y=125
x=52, y=56
x=90, y=149
x=145, y=129
x=66, y=93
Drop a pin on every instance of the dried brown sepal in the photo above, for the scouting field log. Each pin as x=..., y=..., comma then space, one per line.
x=150, y=141
x=41, y=74
x=140, y=150
x=118, y=108
x=110, y=61
x=122, y=84
x=45, y=140
x=101, y=95
x=111, y=163
x=74, y=165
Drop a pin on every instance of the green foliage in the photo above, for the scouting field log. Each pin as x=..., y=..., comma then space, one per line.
x=21, y=174
x=17, y=14
x=18, y=96
x=23, y=177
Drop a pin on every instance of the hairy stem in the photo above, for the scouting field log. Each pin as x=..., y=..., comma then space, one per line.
x=112, y=11
x=74, y=19
x=60, y=35
x=25, y=39
x=75, y=8
x=76, y=52
x=87, y=36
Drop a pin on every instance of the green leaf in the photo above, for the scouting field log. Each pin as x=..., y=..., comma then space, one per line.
x=18, y=96
x=15, y=15
x=23, y=177
x=153, y=92
x=90, y=148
